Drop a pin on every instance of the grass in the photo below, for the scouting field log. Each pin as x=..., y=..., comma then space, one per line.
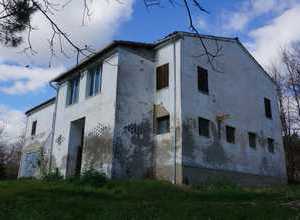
x=32, y=199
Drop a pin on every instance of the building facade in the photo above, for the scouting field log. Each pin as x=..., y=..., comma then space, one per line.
x=163, y=110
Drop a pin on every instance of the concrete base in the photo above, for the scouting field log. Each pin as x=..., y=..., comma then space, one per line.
x=197, y=175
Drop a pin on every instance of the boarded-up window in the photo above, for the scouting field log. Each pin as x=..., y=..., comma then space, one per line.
x=202, y=80
x=230, y=134
x=252, y=139
x=268, y=109
x=271, y=147
x=203, y=127
x=163, y=124
x=33, y=128
x=162, y=76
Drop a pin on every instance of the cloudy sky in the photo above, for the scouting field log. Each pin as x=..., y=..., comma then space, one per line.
x=264, y=26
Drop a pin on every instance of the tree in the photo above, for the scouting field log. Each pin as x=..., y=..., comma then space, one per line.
x=16, y=15
x=10, y=155
x=291, y=59
x=286, y=75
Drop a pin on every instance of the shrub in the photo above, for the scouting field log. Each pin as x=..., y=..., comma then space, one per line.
x=93, y=178
x=53, y=176
x=90, y=177
x=27, y=178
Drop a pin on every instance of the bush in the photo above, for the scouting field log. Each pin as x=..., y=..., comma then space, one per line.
x=27, y=178
x=53, y=176
x=90, y=177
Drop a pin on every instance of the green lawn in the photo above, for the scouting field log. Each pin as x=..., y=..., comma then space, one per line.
x=145, y=200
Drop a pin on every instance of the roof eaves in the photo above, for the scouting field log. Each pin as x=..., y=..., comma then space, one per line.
x=101, y=52
x=41, y=105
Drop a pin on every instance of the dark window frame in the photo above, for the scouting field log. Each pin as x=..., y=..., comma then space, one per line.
x=203, y=126
x=252, y=139
x=73, y=90
x=33, y=128
x=230, y=134
x=94, y=80
x=268, y=108
x=162, y=76
x=159, y=120
x=202, y=80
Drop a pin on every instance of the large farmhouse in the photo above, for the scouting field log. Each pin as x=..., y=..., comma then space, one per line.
x=161, y=110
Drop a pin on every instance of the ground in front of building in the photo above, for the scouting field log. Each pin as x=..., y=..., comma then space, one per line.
x=32, y=199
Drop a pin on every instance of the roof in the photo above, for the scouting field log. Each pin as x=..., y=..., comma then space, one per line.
x=116, y=43
x=104, y=50
x=135, y=44
x=42, y=105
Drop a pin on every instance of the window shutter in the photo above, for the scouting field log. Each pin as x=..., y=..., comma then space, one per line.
x=162, y=76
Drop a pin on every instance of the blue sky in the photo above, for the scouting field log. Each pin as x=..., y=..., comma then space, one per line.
x=262, y=25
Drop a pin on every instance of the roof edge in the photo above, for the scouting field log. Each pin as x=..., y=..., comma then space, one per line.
x=41, y=105
x=101, y=52
x=255, y=61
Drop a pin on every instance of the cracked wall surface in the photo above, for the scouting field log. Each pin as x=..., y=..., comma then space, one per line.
x=99, y=114
x=120, y=138
x=36, y=150
x=168, y=155
x=133, y=139
x=238, y=91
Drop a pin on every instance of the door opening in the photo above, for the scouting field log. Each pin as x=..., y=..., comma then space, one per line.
x=76, y=141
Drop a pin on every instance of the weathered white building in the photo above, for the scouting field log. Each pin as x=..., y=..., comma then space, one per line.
x=137, y=110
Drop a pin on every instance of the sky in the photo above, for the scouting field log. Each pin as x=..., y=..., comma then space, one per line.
x=263, y=26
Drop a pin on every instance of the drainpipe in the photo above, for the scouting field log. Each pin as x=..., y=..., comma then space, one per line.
x=53, y=125
x=174, y=125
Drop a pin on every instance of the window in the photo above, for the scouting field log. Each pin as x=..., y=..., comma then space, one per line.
x=73, y=91
x=163, y=125
x=94, y=80
x=162, y=76
x=203, y=127
x=271, y=147
x=202, y=80
x=252, y=139
x=268, y=109
x=230, y=134
x=33, y=128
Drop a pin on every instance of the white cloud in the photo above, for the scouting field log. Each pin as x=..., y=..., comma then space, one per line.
x=281, y=32
x=251, y=9
x=201, y=23
x=20, y=80
x=13, y=122
x=106, y=16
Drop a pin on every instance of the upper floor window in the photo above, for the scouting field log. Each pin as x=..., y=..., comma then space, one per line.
x=202, y=80
x=94, y=80
x=252, y=139
x=163, y=124
x=271, y=147
x=73, y=90
x=268, y=109
x=203, y=127
x=162, y=76
x=230, y=134
x=33, y=128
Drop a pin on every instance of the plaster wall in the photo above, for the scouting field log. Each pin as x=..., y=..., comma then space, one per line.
x=168, y=146
x=99, y=114
x=238, y=90
x=39, y=144
x=133, y=136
